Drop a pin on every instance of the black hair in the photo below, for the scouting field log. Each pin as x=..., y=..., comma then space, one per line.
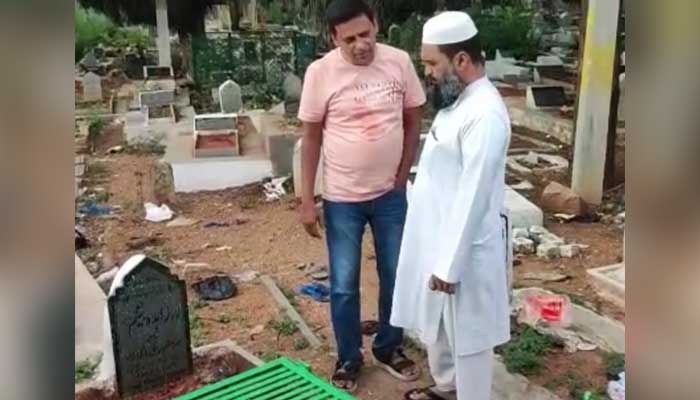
x=341, y=11
x=470, y=46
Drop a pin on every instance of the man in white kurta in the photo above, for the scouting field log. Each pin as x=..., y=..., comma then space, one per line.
x=452, y=285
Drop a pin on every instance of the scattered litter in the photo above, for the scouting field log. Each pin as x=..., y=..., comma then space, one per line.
x=553, y=309
x=301, y=266
x=587, y=346
x=316, y=291
x=523, y=185
x=216, y=224
x=545, y=276
x=157, y=214
x=224, y=248
x=616, y=389
x=180, y=263
x=215, y=288
x=245, y=277
x=181, y=221
x=369, y=327
x=137, y=243
x=90, y=208
x=256, y=331
x=274, y=189
x=114, y=150
x=81, y=241
x=317, y=272
x=206, y=246
x=562, y=217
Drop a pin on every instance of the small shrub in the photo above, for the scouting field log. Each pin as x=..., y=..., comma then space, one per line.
x=224, y=318
x=614, y=364
x=284, y=326
x=196, y=330
x=525, y=354
x=300, y=344
x=91, y=28
x=509, y=29
x=95, y=127
x=145, y=146
x=270, y=356
x=85, y=370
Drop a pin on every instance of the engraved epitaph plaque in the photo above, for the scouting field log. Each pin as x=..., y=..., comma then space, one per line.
x=150, y=329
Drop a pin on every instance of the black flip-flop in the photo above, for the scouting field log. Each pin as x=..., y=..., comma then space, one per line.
x=347, y=375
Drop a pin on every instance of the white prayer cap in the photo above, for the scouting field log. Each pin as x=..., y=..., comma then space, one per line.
x=449, y=27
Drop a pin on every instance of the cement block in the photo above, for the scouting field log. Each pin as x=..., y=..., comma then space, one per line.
x=90, y=305
x=521, y=233
x=523, y=245
x=215, y=122
x=548, y=251
x=156, y=98
x=219, y=174
x=607, y=333
x=523, y=213
x=569, y=250
x=318, y=185
x=281, y=149
x=610, y=282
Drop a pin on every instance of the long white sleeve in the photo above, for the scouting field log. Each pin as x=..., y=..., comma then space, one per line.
x=482, y=147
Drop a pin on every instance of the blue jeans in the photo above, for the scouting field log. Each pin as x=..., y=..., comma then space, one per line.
x=345, y=226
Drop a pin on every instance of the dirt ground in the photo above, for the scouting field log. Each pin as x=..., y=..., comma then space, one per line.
x=267, y=238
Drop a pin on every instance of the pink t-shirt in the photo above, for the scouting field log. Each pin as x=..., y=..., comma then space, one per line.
x=361, y=108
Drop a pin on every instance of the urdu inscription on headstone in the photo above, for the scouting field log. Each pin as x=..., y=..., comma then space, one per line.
x=150, y=328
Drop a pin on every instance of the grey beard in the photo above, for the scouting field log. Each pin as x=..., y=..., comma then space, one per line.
x=447, y=91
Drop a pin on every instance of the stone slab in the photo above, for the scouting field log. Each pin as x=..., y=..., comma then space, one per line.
x=156, y=98
x=561, y=129
x=90, y=303
x=281, y=149
x=545, y=97
x=609, y=281
x=607, y=333
x=218, y=174
x=523, y=213
x=215, y=122
x=155, y=71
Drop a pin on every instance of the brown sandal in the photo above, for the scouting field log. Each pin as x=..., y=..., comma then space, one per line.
x=426, y=393
x=345, y=376
x=397, y=364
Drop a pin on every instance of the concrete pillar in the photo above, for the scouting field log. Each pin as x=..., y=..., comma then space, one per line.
x=163, y=41
x=594, y=99
x=253, y=13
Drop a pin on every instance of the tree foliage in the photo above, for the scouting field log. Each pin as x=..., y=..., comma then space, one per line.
x=184, y=16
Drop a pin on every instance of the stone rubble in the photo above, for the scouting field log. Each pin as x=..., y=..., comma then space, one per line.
x=538, y=240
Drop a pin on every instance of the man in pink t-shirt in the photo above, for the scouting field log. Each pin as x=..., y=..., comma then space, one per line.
x=362, y=105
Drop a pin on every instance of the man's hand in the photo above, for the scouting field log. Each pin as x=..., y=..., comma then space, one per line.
x=438, y=285
x=310, y=218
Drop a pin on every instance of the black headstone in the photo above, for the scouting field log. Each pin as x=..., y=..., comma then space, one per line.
x=549, y=96
x=150, y=329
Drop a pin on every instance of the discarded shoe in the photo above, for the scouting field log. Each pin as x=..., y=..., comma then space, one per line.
x=316, y=291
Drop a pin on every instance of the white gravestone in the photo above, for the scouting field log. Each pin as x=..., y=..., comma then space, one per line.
x=230, y=97
x=92, y=87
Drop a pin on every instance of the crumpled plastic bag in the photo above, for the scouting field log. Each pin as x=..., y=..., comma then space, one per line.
x=552, y=309
x=157, y=214
x=616, y=389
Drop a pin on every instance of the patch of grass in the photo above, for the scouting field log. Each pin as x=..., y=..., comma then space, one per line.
x=101, y=197
x=95, y=127
x=290, y=295
x=198, y=304
x=224, y=318
x=284, y=326
x=196, y=330
x=85, y=370
x=525, y=354
x=269, y=356
x=146, y=146
x=300, y=344
x=97, y=168
x=614, y=364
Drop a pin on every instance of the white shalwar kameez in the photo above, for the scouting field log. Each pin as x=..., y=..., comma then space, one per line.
x=455, y=230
